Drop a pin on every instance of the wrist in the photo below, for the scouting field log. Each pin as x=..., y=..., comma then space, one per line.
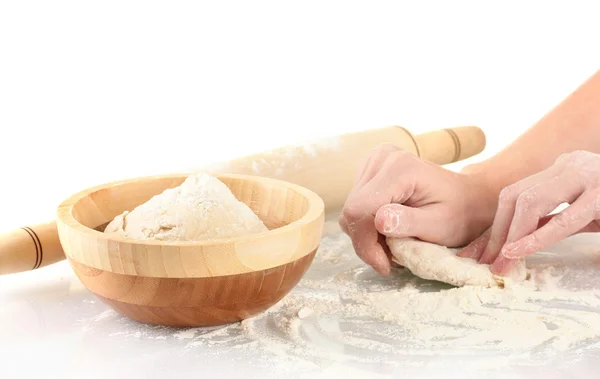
x=487, y=189
x=484, y=175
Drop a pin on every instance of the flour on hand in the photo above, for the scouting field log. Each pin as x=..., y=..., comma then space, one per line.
x=201, y=208
x=436, y=262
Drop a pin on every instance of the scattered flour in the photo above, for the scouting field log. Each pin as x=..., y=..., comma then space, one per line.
x=342, y=311
x=185, y=334
x=305, y=312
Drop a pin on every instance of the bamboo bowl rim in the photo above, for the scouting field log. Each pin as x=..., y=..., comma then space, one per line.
x=315, y=210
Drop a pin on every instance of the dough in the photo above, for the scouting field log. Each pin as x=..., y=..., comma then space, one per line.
x=201, y=208
x=435, y=262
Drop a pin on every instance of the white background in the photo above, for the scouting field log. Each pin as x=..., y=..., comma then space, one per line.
x=104, y=90
x=96, y=91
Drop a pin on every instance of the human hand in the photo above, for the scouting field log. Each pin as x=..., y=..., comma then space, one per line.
x=522, y=225
x=396, y=194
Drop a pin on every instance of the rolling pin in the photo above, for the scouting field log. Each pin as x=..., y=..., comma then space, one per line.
x=326, y=167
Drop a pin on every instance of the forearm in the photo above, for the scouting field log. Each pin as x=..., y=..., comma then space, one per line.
x=573, y=125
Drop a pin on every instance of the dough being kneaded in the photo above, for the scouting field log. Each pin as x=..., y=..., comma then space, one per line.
x=201, y=208
x=435, y=262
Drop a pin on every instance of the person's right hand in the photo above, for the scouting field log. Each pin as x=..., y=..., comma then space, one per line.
x=396, y=194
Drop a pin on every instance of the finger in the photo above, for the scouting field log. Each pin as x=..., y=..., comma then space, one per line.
x=564, y=224
x=503, y=266
x=365, y=240
x=399, y=221
x=475, y=249
x=380, y=190
x=371, y=165
x=358, y=220
x=362, y=204
x=343, y=223
x=505, y=213
x=590, y=228
x=387, y=251
x=539, y=200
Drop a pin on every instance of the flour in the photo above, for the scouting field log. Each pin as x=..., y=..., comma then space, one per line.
x=186, y=333
x=343, y=312
x=280, y=162
x=201, y=208
x=352, y=311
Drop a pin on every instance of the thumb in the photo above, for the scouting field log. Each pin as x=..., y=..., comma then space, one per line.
x=399, y=221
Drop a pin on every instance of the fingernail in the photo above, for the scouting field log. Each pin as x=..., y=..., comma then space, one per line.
x=382, y=270
x=498, y=266
x=508, y=250
x=382, y=265
x=391, y=221
x=467, y=252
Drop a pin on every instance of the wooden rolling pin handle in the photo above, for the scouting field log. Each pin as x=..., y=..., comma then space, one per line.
x=29, y=248
x=450, y=145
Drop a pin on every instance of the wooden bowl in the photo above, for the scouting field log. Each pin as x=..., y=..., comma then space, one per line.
x=192, y=284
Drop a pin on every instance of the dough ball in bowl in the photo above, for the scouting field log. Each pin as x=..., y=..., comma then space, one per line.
x=201, y=280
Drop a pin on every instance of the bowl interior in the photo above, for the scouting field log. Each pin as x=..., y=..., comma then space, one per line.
x=274, y=204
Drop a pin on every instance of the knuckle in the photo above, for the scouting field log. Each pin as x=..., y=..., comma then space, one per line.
x=536, y=242
x=351, y=213
x=385, y=148
x=577, y=158
x=401, y=158
x=596, y=209
x=595, y=203
x=342, y=220
x=348, y=213
x=526, y=200
x=564, y=158
x=507, y=195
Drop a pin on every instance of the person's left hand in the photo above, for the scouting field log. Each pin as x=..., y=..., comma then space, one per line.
x=522, y=225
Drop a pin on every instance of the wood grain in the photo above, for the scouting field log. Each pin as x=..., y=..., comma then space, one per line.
x=294, y=215
x=328, y=168
x=192, y=283
x=188, y=302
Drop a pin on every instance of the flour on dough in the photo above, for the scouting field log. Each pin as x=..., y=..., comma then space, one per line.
x=201, y=208
x=434, y=262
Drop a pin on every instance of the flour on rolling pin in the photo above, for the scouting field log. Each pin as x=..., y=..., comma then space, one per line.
x=327, y=166
x=277, y=162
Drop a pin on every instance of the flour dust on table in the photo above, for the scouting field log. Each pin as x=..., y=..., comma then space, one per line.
x=342, y=311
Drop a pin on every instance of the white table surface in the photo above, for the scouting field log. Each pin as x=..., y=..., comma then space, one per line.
x=52, y=327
